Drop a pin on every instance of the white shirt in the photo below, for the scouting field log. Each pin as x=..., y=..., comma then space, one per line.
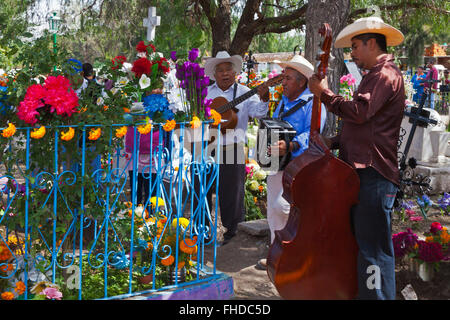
x=253, y=107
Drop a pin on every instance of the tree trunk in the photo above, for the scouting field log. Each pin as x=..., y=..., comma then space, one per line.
x=335, y=13
x=220, y=20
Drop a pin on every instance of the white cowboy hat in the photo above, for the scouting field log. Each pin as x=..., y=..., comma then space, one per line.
x=222, y=56
x=368, y=25
x=298, y=63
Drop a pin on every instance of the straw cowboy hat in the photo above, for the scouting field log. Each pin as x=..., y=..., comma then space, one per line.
x=222, y=56
x=368, y=25
x=298, y=63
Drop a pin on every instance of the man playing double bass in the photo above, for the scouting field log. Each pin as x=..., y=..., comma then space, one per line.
x=368, y=142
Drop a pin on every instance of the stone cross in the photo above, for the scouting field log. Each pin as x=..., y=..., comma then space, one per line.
x=151, y=22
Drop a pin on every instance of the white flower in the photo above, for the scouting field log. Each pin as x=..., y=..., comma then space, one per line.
x=137, y=107
x=100, y=101
x=121, y=82
x=144, y=81
x=260, y=175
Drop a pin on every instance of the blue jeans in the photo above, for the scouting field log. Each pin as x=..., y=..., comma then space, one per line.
x=371, y=221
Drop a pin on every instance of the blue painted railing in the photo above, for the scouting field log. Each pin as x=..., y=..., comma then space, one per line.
x=72, y=208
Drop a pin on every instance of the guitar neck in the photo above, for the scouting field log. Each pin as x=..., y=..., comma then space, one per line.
x=235, y=102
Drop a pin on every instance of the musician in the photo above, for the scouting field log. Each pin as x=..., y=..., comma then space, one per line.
x=296, y=94
x=368, y=142
x=223, y=69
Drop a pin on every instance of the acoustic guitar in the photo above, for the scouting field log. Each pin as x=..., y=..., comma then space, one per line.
x=229, y=111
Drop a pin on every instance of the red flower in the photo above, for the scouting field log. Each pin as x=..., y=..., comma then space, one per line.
x=142, y=66
x=118, y=62
x=435, y=227
x=163, y=65
x=141, y=47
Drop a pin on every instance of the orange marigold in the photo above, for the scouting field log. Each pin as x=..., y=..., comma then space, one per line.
x=169, y=125
x=7, y=295
x=196, y=122
x=145, y=128
x=68, y=135
x=10, y=131
x=188, y=246
x=217, y=117
x=5, y=253
x=38, y=133
x=94, y=134
x=168, y=261
x=121, y=132
x=20, y=287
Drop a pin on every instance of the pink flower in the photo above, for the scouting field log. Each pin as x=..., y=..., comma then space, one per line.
x=410, y=212
x=435, y=227
x=52, y=293
x=416, y=218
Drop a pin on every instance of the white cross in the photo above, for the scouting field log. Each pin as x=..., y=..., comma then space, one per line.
x=151, y=22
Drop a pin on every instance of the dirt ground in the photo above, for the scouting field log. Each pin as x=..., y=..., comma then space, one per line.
x=238, y=258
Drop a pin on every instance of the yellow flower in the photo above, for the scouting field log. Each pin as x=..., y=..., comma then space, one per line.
x=217, y=117
x=145, y=128
x=154, y=200
x=181, y=221
x=169, y=125
x=10, y=131
x=122, y=131
x=38, y=133
x=67, y=136
x=196, y=122
x=94, y=134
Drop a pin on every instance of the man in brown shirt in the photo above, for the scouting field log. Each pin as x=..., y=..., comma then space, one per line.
x=368, y=142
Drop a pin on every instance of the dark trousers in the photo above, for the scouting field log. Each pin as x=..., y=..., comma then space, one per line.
x=231, y=188
x=142, y=186
x=371, y=219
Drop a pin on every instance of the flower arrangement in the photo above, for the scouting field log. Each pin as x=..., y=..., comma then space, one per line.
x=139, y=84
x=432, y=250
x=194, y=82
x=255, y=190
x=347, y=86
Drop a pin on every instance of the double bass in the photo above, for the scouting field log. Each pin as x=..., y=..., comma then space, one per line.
x=314, y=256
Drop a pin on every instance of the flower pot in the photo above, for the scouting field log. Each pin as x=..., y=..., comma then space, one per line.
x=181, y=275
x=146, y=279
x=426, y=271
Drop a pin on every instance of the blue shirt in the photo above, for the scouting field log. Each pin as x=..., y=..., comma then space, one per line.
x=301, y=119
x=416, y=81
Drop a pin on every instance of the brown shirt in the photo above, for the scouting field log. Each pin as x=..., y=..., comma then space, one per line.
x=371, y=121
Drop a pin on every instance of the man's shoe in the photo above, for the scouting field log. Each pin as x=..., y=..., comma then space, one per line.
x=262, y=264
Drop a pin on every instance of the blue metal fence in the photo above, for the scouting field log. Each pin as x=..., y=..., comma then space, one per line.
x=71, y=219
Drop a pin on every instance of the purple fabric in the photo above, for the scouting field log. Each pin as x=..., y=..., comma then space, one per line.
x=144, y=145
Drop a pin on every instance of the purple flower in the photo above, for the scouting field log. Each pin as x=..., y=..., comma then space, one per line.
x=52, y=293
x=173, y=55
x=193, y=54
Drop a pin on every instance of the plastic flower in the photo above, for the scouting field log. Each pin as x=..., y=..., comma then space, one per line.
x=10, y=131
x=52, y=293
x=94, y=134
x=144, y=81
x=38, y=133
x=196, y=122
x=68, y=135
x=169, y=125
x=217, y=117
x=121, y=132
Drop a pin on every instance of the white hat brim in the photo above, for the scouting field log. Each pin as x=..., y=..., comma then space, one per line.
x=302, y=65
x=211, y=63
x=393, y=36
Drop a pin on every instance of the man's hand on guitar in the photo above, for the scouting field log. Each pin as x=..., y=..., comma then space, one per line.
x=263, y=92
